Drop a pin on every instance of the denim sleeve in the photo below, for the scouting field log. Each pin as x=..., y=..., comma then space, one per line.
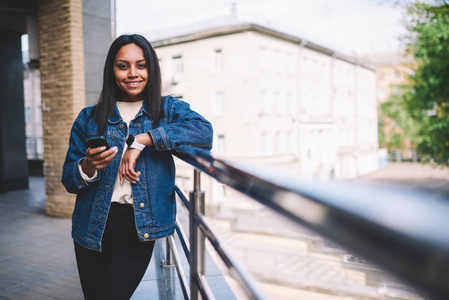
x=71, y=176
x=185, y=127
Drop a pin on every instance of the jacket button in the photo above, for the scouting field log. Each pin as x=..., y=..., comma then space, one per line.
x=162, y=146
x=121, y=125
x=146, y=235
x=106, y=186
x=142, y=205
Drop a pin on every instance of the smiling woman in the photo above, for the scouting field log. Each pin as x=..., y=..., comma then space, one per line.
x=116, y=220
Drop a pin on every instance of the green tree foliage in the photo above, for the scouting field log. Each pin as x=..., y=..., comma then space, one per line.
x=397, y=130
x=426, y=99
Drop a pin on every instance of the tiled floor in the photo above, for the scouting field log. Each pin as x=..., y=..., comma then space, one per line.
x=37, y=260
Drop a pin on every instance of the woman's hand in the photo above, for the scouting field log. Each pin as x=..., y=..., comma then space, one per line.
x=128, y=164
x=96, y=159
x=130, y=157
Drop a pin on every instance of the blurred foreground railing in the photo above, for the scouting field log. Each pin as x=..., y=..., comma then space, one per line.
x=405, y=233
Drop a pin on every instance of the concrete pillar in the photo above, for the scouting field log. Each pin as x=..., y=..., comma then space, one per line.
x=13, y=159
x=98, y=33
x=62, y=88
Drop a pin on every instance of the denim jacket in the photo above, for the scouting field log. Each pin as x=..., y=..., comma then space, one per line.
x=153, y=194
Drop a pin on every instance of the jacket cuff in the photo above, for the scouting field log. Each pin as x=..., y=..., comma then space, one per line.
x=80, y=182
x=84, y=175
x=159, y=139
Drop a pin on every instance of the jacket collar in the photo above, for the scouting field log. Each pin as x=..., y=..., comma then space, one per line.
x=144, y=109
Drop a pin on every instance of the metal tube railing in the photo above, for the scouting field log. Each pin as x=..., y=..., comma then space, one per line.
x=236, y=272
x=197, y=249
x=198, y=283
x=182, y=196
x=184, y=240
x=179, y=269
x=405, y=233
x=204, y=288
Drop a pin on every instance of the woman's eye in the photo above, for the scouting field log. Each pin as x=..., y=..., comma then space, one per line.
x=122, y=67
x=141, y=66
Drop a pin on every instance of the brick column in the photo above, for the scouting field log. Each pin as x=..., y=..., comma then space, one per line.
x=63, y=93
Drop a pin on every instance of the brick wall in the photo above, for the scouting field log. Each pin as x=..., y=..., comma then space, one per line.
x=63, y=91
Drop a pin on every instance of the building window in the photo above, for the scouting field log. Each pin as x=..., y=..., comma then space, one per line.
x=217, y=104
x=264, y=107
x=264, y=59
x=277, y=61
x=380, y=76
x=280, y=103
x=267, y=144
x=161, y=66
x=281, y=143
x=381, y=93
x=434, y=110
x=396, y=90
x=217, y=63
x=177, y=67
x=27, y=114
x=220, y=144
x=289, y=63
x=40, y=147
x=38, y=114
x=292, y=142
x=291, y=104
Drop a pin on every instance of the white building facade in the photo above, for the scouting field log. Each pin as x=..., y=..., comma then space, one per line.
x=276, y=98
x=33, y=111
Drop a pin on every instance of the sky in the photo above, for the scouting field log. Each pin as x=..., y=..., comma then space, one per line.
x=355, y=27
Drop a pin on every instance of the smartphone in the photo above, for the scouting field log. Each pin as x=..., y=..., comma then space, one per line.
x=97, y=142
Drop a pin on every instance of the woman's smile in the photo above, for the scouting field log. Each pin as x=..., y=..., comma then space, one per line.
x=133, y=84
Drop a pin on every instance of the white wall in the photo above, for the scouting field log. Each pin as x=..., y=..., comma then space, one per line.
x=280, y=102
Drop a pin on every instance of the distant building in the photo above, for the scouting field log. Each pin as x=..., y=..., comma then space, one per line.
x=33, y=110
x=393, y=70
x=274, y=97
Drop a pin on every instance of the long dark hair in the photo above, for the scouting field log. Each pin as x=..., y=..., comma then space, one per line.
x=111, y=92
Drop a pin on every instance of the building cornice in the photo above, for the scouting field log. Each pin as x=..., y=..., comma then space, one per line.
x=253, y=27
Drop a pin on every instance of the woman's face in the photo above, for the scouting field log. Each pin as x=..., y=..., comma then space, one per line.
x=131, y=74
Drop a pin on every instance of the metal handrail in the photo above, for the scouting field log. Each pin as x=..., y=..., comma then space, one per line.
x=402, y=232
x=179, y=269
x=235, y=270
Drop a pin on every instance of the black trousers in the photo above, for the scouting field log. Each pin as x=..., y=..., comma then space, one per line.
x=115, y=272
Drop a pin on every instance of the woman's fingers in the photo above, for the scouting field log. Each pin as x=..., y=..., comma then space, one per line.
x=129, y=173
x=101, y=158
x=128, y=164
x=121, y=173
x=132, y=175
x=93, y=151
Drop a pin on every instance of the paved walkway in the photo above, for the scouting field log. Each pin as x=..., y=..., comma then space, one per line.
x=37, y=259
x=432, y=179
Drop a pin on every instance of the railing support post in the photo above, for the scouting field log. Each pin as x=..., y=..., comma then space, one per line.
x=197, y=242
x=167, y=262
